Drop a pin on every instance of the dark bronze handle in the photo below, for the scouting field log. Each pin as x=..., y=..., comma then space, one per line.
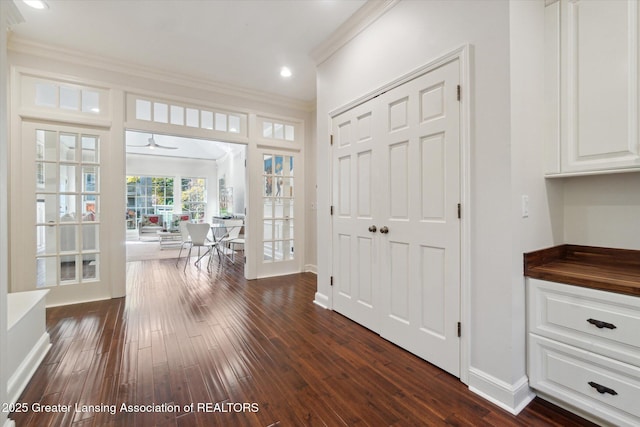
x=602, y=389
x=384, y=229
x=600, y=324
x=373, y=229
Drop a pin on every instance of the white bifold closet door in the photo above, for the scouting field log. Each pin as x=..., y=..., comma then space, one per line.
x=396, y=227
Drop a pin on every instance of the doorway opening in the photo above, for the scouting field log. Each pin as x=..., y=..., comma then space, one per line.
x=172, y=179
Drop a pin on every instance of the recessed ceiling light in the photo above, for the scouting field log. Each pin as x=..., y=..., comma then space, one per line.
x=285, y=72
x=36, y=4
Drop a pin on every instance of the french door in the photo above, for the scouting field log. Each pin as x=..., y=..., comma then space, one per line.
x=59, y=232
x=396, y=230
x=278, y=236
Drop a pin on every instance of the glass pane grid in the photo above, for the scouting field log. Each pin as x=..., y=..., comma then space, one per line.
x=184, y=116
x=278, y=202
x=66, y=250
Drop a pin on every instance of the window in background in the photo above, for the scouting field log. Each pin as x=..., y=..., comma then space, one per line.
x=149, y=195
x=194, y=197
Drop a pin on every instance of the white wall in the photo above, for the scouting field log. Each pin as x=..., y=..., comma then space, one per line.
x=4, y=219
x=139, y=164
x=603, y=210
x=232, y=168
x=406, y=37
x=543, y=225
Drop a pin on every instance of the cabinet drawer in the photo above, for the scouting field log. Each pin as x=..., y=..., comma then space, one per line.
x=603, y=322
x=574, y=376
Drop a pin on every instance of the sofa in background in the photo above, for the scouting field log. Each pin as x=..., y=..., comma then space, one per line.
x=149, y=224
x=177, y=218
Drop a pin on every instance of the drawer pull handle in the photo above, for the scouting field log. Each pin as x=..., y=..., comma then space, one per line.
x=600, y=324
x=602, y=389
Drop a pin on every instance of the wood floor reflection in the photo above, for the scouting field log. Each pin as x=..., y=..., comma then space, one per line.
x=244, y=353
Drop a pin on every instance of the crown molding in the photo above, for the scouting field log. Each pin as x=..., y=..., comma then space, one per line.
x=20, y=45
x=358, y=22
x=13, y=17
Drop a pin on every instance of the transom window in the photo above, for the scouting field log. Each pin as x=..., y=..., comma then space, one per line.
x=181, y=115
x=64, y=98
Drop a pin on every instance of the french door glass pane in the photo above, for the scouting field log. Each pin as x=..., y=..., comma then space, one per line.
x=90, y=149
x=90, y=267
x=47, y=272
x=268, y=251
x=67, y=178
x=47, y=176
x=90, y=210
x=90, y=237
x=68, y=269
x=268, y=208
x=46, y=208
x=46, y=240
x=68, y=208
x=268, y=230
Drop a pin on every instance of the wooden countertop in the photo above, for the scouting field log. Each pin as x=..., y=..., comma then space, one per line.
x=608, y=269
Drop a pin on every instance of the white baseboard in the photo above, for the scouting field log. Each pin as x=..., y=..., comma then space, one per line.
x=311, y=268
x=10, y=423
x=510, y=397
x=27, y=368
x=321, y=300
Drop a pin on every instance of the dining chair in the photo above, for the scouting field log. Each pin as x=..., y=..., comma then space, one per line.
x=186, y=239
x=199, y=239
x=233, y=233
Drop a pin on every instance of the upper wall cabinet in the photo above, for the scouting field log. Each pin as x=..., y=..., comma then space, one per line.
x=591, y=87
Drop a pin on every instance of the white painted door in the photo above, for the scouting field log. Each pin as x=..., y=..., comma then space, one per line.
x=59, y=235
x=403, y=281
x=356, y=291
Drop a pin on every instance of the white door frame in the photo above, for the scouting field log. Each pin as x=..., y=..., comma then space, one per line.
x=462, y=54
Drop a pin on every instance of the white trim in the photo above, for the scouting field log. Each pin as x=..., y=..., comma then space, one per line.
x=358, y=22
x=440, y=60
x=27, y=368
x=14, y=17
x=56, y=53
x=321, y=300
x=311, y=268
x=463, y=55
x=10, y=423
x=513, y=398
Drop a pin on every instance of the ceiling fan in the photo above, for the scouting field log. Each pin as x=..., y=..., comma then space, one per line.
x=152, y=144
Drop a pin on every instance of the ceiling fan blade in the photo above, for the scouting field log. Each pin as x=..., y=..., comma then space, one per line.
x=154, y=144
x=164, y=147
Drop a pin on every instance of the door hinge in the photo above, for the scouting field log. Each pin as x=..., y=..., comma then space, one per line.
x=459, y=211
x=459, y=329
x=459, y=93
x=245, y=163
x=331, y=210
x=330, y=139
x=331, y=281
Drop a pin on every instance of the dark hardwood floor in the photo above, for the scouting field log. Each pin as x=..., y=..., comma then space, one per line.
x=243, y=353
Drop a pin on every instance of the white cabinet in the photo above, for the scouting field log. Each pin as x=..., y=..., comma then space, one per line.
x=591, y=87
x=584, y=350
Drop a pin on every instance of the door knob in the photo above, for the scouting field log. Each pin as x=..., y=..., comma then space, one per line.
x=373, y=229
x=384, y=229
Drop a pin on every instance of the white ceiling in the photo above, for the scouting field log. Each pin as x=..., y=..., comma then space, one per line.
x=243, y=43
